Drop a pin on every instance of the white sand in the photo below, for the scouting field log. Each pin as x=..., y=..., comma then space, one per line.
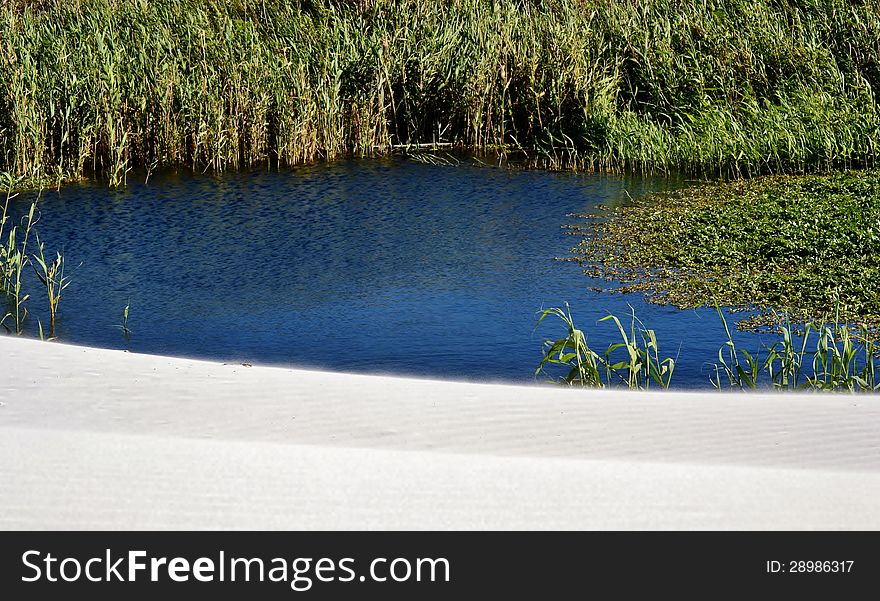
x=94, y=438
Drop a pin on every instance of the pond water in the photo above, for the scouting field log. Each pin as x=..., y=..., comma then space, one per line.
x=388, y=266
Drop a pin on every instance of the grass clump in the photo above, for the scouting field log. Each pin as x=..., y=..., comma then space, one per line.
x=13, y=263
x=720, y=86
x=50, y=272
x=838, y=361
x=781, y=246
x=634, y=362
x=14, y=260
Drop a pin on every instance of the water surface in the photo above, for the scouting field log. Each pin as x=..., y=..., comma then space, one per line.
x=366, y=266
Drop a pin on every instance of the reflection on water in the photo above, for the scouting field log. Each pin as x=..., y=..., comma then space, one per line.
x=376, y=266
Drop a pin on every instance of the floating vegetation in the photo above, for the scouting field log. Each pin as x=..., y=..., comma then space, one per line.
x=805, y=247
x=838, y=360
x=714, y=86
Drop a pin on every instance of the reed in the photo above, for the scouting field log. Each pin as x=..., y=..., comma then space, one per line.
x=5, y=262
x=720, y=86
x=838, y=361
x=4, y=248
x=13, y=262
x=126, y=331
x=641, y=364
x=51, y=276
x=584, y=366
x=634, y=363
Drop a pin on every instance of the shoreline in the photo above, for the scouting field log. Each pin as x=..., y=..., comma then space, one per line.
x=95, y=438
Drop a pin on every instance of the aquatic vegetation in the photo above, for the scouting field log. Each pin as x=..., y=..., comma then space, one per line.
x=4, y=249
x=13, y=262
x=571, y=352
x=803, y=247
x=840, y=360
x=51, y=275
x=717, y=86
x=14, y=259
x=124, y=325
x=639, y=368
x=10, y=183
x=43, y=337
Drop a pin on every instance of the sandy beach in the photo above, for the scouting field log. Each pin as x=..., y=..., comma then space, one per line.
x=93, y=438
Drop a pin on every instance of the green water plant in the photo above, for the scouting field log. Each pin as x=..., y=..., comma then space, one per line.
x=13, y=262
x=583, y=365
x=51, y=276
x=804, y=247
x=828, y=357
x=642, y=365
x=124, y=325
x=8, y=184
x=42, y=333
x=740, y=367
x=634, y=362
x=4, y=259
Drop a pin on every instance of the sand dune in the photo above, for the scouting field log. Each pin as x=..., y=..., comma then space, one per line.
x=93, y=438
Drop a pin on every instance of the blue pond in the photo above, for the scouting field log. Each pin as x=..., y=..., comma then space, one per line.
x=366, y=266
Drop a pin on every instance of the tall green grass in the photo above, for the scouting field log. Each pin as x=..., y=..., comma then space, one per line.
x=815, y=356
x=15, y=257
x=828, y=356
x=50, y=272
x=731, y=86
x=634, y=362
x=14, y=260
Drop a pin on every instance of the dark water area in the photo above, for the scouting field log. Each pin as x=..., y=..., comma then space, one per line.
x=380, y=266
